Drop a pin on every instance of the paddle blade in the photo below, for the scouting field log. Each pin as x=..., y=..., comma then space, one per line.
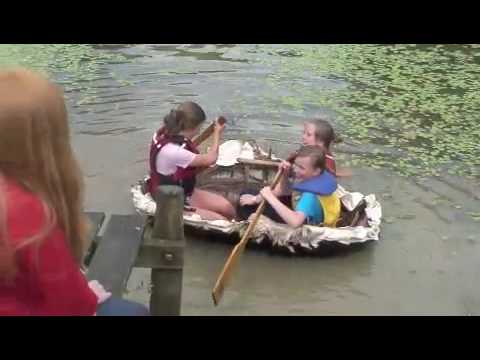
x=232, y=260
x=226, y=274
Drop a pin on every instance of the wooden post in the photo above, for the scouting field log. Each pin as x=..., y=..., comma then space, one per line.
x=162, y=251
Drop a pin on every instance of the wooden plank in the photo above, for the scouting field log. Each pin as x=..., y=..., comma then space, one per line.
x=96, y=220
x=116, y=253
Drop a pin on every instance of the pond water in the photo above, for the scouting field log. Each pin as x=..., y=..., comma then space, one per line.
x=409, y=119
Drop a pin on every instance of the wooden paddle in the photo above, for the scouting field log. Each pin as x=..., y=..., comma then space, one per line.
x=259, y=163
x=232, y=260
x=208, y=131
x=204, y=136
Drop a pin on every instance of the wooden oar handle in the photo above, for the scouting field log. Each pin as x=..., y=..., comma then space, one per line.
x=208, y=131
x=227, y=270
x=260, y=163
x=292, y=156
x=260, y=208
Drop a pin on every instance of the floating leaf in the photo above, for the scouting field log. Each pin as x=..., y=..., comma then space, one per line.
x=474, y=215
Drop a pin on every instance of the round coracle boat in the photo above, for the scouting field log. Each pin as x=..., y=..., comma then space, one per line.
x=242, y=165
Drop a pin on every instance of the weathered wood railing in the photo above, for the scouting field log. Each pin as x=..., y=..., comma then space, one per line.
x=131, y=241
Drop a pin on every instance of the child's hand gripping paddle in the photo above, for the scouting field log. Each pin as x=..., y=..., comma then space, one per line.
x=208, y=131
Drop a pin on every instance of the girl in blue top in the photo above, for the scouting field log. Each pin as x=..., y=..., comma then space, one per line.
x=313, y=199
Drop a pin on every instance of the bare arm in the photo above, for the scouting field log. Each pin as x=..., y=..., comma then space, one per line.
x=210, y=158
x=291, y=217
x=283, y=186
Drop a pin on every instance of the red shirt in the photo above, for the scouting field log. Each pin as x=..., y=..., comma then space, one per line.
x=330, y=163
x=48, y=281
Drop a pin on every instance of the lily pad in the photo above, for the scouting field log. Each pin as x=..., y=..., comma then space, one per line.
x=474, y=215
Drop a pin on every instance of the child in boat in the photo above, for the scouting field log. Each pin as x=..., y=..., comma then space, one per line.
x=313, y=200
x=174, y=160
x=318, y=131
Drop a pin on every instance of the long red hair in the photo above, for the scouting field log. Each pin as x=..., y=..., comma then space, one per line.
x=35, y=152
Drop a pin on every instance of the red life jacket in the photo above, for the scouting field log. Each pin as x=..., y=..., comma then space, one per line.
x=330, y=163
x=185, y=178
